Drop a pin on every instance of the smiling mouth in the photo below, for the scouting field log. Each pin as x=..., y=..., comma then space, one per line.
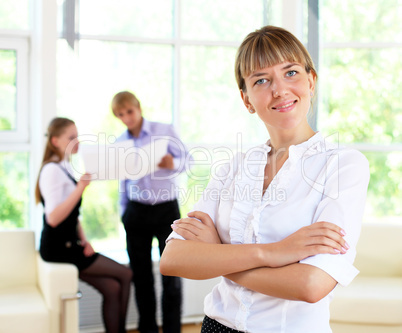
x=284, y=106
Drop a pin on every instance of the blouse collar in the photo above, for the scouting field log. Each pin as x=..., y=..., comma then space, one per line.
x=245, y=212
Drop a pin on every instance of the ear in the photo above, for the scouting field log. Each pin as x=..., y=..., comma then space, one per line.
x=312, y=79
x=246, y=100
x=54, y=141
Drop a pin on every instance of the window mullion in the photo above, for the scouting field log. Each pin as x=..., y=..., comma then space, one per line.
x=360, y=45
x=176, y=65
x=313, y=46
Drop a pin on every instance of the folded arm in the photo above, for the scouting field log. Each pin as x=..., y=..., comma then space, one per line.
x=244, y=264
x=271, y=269
x=199, y=261
x=294, y=282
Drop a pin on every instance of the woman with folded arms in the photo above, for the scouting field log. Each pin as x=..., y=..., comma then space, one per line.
x=280, y=223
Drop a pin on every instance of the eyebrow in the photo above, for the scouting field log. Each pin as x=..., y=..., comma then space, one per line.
x=259, y=74
x=291, y=65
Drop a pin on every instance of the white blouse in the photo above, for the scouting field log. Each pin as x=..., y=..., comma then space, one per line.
x=54, y=184
x=318, y=182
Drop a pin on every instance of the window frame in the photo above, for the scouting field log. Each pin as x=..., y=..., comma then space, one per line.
x=37, y=96
x=176, y=41
x=70, y=32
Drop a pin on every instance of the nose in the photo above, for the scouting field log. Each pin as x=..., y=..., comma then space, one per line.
x=124, y=119
x=75, y=145
x=279, y=89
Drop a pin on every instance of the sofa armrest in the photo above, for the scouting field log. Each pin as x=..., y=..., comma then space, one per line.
x=57, y=281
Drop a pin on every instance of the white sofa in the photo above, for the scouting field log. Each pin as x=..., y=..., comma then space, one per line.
x=31, y=290
x=372, y=303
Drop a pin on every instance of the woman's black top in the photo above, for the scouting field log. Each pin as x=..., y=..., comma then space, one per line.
x=61, y=243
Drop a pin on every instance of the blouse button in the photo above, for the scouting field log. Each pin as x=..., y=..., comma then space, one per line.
x=68, y=244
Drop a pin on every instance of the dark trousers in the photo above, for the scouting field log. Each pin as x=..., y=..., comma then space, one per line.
x=143, y=223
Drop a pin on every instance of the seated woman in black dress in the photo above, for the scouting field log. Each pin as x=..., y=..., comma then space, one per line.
x=63, y=239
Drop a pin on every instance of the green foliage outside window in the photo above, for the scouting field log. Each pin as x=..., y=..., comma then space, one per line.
x=14, y=190
x=99, y=210
x=361, y=91
x=8, y=71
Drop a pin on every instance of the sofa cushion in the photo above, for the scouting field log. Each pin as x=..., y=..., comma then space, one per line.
x=23, y=307
x=18, y=258
x=377, y=248
x=369, y=300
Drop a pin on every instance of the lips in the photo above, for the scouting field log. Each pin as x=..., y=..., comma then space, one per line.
x=286, y=106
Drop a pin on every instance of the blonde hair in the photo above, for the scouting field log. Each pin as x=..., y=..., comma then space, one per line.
x=56, y=128
x=122, y=98
x=267, y=47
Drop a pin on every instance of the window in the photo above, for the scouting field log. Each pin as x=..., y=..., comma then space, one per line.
x=15, y=156
x=360, y=92
x=177, y=57
x=8, y=89
x=14, y=189
x=15, y=14
x=13, y=90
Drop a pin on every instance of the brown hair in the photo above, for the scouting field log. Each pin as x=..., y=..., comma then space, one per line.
x=266, y=47
x=56, y=128
x=123, y=97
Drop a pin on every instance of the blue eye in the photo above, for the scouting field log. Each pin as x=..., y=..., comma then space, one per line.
x=291, y=73
x=261, y=81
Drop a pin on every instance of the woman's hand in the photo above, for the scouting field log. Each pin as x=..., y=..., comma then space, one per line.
x=84, y=181
x=88, y=249
x=198, y=226
x=317, y=238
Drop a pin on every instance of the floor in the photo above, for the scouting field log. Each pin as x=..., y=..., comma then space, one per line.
x=187, y=328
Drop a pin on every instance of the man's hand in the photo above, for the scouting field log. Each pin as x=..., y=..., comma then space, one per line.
x=166, y=162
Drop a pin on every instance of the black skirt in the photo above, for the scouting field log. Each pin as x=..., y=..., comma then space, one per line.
x=69, y=252
x=212, y=326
